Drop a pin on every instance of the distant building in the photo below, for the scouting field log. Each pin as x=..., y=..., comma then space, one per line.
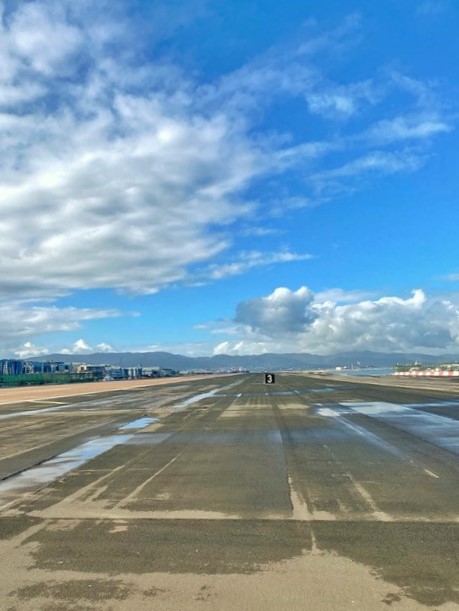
x=11, y=367
x=151, y=372
x=93, y=372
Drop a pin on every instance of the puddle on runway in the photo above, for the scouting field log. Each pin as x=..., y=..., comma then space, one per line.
x=330, y=413
x=80, y=406
x=33, y=412
x=54, y=468
x=338, y=411
x=140, y=423
x=324, y=389
x=196, y=398
x=453, y=404
x=306, y=391
x=286, y=393
x=206, y=395
x=434, y=428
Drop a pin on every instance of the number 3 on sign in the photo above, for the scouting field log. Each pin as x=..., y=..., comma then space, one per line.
x=270, y=378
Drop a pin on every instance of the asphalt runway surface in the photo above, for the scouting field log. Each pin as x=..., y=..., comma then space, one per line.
x=225, y=493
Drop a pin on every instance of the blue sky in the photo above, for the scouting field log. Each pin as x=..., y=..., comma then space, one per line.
x=208, y=177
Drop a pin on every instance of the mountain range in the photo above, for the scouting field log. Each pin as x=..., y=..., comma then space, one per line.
x=259, y=362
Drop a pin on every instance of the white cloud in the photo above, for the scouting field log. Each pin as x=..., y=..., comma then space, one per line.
x=193, y=348
x=30, y=350
x=406, y=128
x=250, y=260
x=283, y=311
x=342, y=102
x=81, y=346
x=223, y=348
x=299, y=321
x=335, y=103
x=342, y=296
x=260, y=232
x=104, y=347
x=377, y=163
x=31, y=29
x=24, y=320
x=424, y=93
x=128, y=215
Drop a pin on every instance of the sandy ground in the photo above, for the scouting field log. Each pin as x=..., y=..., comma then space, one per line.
x=50, y=391
x=444, y=385
x=253, y=498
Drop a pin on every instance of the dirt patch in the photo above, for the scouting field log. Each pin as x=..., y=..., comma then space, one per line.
x=79, y=589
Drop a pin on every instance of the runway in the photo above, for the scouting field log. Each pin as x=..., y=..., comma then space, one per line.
x=223, y=493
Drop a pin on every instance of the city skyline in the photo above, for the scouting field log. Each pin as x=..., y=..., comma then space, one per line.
x=199, y=180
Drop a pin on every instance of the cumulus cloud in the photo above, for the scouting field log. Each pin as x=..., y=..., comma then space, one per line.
x=81, y=346
x=301, y=321
x=104, y=347
x=283, y=311
x=29, y=350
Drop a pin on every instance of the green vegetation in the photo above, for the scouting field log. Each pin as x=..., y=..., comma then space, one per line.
x=36, y=379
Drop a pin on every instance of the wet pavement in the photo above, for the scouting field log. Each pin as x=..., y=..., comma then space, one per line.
x=224, y=494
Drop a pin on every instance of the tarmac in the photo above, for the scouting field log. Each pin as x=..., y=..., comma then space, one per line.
x=317, y=492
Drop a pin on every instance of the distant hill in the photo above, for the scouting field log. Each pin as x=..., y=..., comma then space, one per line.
x=259, y=362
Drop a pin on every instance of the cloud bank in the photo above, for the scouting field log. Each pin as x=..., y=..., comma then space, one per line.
x=301, y=321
